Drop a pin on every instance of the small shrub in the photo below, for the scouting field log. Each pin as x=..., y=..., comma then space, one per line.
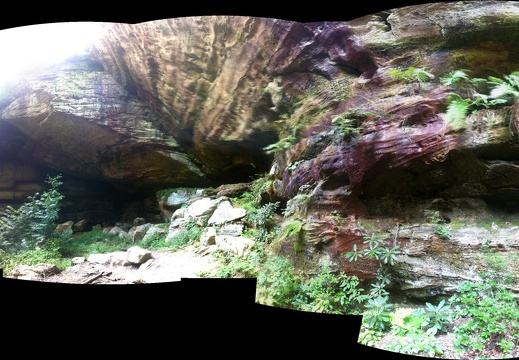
x=246, y=266
x=348, y=126
x=369, y=337
x=436, y=318
x=262, y=220
x=33, y=222
x=277, y=284
x=433, y=216
x=443, y=231
x=331, y=293
x=377, y=314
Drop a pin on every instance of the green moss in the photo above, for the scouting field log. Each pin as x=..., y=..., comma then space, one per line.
x=482, y=61
x=292, y=228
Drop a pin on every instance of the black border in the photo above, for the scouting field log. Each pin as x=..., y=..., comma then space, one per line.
x=22, y=14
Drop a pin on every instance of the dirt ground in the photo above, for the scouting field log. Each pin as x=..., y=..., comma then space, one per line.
x=164, y=266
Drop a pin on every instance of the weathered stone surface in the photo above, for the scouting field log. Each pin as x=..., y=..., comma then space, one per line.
x=64, y=227
x=431, y=265
x=208, y=236
x=77, y=119
x=138, y=232
x=33, y=272
x=102, y=259
x=137, y=255
x=226, y=212
x=236, y=245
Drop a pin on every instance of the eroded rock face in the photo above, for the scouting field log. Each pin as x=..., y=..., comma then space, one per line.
x=175, y=101
x=76, y=119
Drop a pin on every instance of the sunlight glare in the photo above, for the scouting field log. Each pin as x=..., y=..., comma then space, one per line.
x=32, y=46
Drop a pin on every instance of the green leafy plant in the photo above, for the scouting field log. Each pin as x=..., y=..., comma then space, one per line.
x=456, y=78
x=443, y=231
x=187, y=237
x=411, y=74
x=262, y=220
x=348, y=126
x=331, y=293
x=436, y=318
x=277, y=283
x=33, y=222
x=409, y=337
x=457, y=110
x=292, y=228
x=508, y=87
x=245, y=266
x=281, y=145
x=377, y=314
x=472, y=94
x=435, y=217
x=416, y=343
x=375, y=249
x=369, y=337
x=490, y=315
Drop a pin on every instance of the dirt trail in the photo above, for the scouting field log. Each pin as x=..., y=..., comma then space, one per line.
x=165, y=266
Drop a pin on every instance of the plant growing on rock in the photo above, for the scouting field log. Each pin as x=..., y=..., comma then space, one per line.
x=374, y=250
x=292, y=229
x=281, y=145
x=440, y=228
x=262, y=220
x=411, y=74
x=473, y=94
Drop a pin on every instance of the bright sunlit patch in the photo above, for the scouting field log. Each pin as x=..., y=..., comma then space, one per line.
x=27, y=47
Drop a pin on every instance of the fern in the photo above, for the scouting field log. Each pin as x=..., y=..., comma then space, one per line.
x=421, y=75
x=281, y=145
x=455, y=77
x=411, y=74
x=457, y=111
